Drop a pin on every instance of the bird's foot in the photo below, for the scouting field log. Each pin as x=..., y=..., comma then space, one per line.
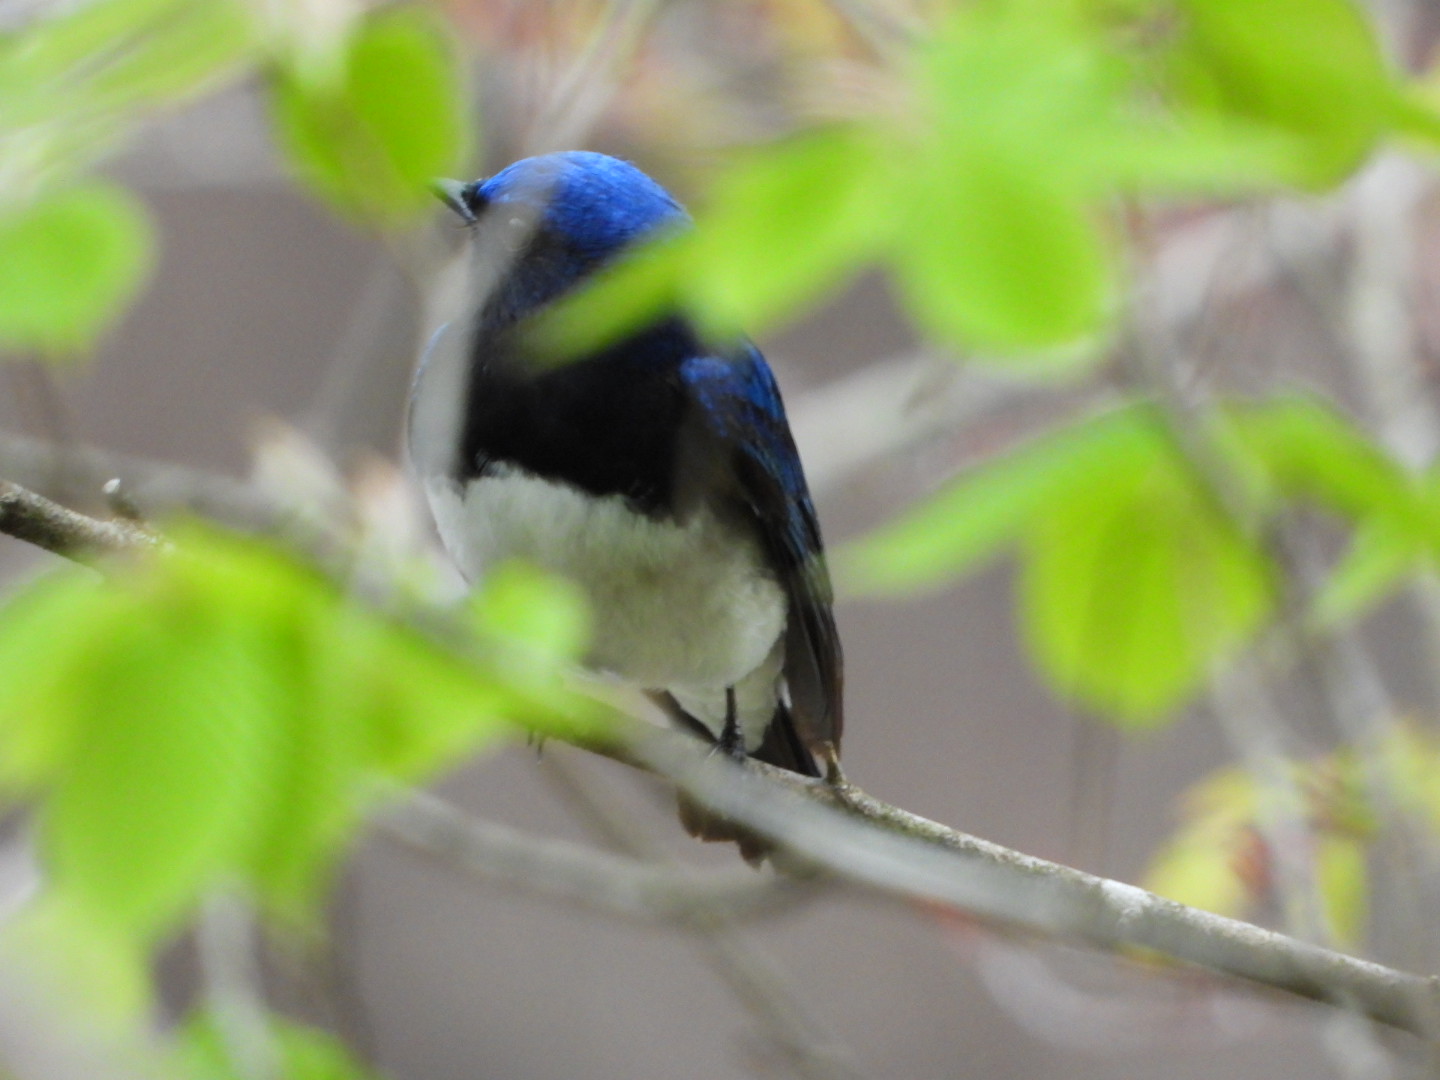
x=835, y=779
x=731, y=741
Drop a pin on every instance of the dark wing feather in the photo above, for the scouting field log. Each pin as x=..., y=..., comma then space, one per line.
x=742, y=432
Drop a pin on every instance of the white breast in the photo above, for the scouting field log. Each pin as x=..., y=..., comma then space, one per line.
x=687, y=607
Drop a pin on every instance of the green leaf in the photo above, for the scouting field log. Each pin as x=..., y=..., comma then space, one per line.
x=785, y=223
x=1311, y=69
x=46, y=632
x=1215, y=861
x=997, y=256
x=1199, y=871
x=991, y=506
x=621, y=298
x=74, y=964
x=302, y=1052
x=998, y=248
x=1306, y=449
x=1135, y=586
x=1378, y=561
x=161, y=795
x=76, y=78
x=1302, y=449
x=544, y=615
x=225, y=714
x=187, y=46
x=69, y=265
x=1342, y=877
x=371, y=140
x=115, y=55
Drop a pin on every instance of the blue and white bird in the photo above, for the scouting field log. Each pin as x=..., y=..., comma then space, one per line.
x=657, y=472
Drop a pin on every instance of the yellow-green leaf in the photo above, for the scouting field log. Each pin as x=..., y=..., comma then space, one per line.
x=991, y=505
x=1312, y=69
x=69, y=265
x=371, y=139
x=784, y=223
x=1341, y=874
x=1135, y=586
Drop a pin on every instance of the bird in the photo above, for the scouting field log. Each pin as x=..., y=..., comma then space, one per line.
x=656, y=471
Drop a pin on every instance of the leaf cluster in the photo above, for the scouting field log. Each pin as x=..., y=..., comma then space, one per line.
x=220, y=716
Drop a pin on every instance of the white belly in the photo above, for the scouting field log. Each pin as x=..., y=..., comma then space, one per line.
x=687, y=607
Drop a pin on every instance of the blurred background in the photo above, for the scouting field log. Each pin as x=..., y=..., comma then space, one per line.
x=273, y=332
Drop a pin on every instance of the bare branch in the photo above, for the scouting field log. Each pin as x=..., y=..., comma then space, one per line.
x=897, y=853
x=156, y=488
x=615, y=884
x=36, y=520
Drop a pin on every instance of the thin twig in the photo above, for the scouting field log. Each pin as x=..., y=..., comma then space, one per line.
x=36, y=520
x=615, y=884
x=157, y=488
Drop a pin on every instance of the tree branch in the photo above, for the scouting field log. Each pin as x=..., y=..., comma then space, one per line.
x=897, y=853
x=157, y=488
x=886, y=849
x=36, y=520
x=614, y=884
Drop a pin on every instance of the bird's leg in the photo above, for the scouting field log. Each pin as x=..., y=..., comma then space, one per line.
x=731, y=741
x=830, y=757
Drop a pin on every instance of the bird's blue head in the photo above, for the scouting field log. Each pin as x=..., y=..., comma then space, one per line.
x=555, y=218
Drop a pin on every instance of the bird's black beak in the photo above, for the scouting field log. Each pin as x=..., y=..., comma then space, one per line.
x=452, y=194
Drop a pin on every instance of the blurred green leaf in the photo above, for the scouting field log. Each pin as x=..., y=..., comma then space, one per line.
x=371, y=140
x=1409, y=755
x=783, y=224
x=1378, y=561
x=1341, y=875
x=1302, y=449
x=998, y=247
x=1135, y=585
x=618, y=300
x=1307, y=450
x=1311, y=69
x=301, y=1053
x=46, y=631
x=126, y=53
x=1218, y=860
x=543, y=615
x=223, y=714
x=71, y=962
x=991, y=505
x=1199, y=871
x=997, y=256
x=69, y=264
x=1215, y=861
x=75, y=78
x=117, y=54
x=161, y=795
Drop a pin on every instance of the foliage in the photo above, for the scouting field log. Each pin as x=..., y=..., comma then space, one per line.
x=222, y=715
x=386, y=104
x=370, y=131
x=300, y=1053
x=1218, y=859
x=1137, y=577
x=1027, y=121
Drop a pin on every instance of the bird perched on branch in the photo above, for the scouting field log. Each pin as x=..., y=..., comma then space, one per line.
x=657, y=471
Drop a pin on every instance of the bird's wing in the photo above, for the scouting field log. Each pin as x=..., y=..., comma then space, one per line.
x=743, y=434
